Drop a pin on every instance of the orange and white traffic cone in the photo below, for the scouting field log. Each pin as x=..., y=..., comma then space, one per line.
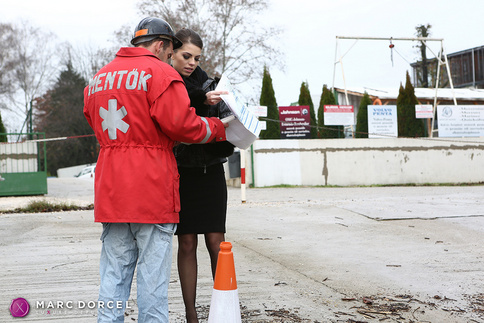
x=224, y=307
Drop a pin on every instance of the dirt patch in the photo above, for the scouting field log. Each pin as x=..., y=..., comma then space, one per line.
x=399, y=308
x=407, y=308
x=476, y=304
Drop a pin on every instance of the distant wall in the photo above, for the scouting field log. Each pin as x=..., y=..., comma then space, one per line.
x=346, y=162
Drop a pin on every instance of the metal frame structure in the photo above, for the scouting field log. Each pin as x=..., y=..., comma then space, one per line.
x=424, y=40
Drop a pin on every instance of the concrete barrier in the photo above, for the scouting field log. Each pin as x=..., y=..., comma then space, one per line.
x=348, y=162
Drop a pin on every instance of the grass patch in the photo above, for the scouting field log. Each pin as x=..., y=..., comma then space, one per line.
x=429, y=184
x=44, y=206
x=374, y=185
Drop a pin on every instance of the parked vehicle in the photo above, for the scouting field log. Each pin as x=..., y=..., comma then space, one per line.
x=87, y=172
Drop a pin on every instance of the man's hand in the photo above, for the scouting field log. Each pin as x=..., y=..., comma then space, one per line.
x=226, y=120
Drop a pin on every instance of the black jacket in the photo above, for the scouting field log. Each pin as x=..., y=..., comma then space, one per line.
x=203, y=155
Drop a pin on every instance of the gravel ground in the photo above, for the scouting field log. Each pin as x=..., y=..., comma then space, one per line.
x=375, y=254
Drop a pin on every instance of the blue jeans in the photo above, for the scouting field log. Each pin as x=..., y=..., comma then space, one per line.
x=125, y=246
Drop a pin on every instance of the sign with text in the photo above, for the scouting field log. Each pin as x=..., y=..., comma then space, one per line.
x=424, y=111
x=382, y=121
x=295, y=122
x=460, y=120
x=339, y=115
x=258, y=110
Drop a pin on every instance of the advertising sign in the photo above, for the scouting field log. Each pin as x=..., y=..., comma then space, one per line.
x=258, y=110
x=460, y=120
x=339, y=115
x=382, y=121
x=295, y=122
x=424, y=111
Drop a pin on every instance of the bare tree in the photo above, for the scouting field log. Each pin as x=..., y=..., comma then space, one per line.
x=30, y=62
x=87, y=60
x=235, y=42
x=8, y=60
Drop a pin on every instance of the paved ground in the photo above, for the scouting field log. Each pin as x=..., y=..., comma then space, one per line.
x=379, y=254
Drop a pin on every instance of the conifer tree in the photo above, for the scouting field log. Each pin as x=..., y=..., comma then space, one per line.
x=268, y=98
x=305, y=99
x=3, y=131
x=408, y=124
x=327, y=98
x=362, y=117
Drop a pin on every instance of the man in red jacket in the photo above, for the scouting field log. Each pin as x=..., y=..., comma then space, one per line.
x=138, y=107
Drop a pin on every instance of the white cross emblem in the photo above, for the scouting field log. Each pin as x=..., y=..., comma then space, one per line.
x=113, y=119
x=20, y=307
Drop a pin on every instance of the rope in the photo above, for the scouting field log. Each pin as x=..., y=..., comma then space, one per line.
x=52, y=139
x=279, y=121
x=382, y=135
x=401, y=56
x=60, y=138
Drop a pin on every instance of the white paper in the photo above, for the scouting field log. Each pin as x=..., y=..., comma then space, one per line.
x=245, y=128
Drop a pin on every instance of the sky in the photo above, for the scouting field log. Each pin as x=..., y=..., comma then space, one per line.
x=309, y=35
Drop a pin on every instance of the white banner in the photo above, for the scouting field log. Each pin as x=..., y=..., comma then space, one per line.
x=258, y=110
x=460, y=120
x=339, y=115
x=382, y=121
x=424, y=111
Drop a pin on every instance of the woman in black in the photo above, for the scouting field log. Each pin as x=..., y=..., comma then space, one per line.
x=203, y=190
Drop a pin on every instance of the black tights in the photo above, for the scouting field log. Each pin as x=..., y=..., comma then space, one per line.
x=187, y=266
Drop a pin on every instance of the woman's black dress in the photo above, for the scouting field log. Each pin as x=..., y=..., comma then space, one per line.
x=203, y=190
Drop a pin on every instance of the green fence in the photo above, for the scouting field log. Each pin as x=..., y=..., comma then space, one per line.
x=23, y=165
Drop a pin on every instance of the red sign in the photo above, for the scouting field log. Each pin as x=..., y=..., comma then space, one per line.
x=339, y=108
x=295, y=122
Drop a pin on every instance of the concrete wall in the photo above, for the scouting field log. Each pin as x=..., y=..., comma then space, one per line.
x=346, y=162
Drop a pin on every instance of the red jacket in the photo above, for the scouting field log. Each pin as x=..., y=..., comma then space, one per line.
x=138, y=107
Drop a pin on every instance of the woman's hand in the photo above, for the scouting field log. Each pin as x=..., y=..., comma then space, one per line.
x=213, y=97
